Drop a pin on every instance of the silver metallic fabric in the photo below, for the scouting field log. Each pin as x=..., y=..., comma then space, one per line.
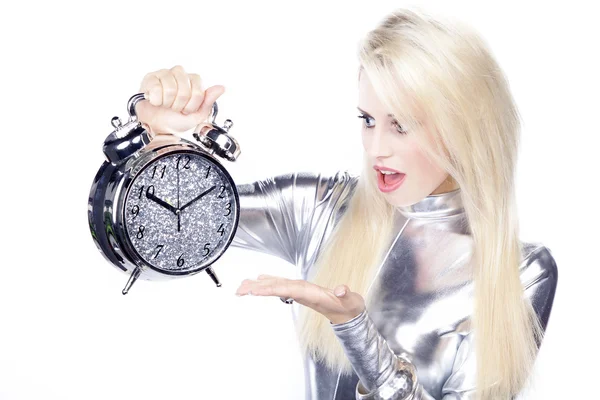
x=414, y=340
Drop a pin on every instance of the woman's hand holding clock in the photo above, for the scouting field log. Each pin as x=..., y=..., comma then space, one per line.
x=160, y=174
x=177, y=101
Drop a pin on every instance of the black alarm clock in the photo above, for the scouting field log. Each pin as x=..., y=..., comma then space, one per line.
x=164, y=210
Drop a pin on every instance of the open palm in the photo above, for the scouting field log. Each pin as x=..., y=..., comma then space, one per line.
x=338, y=305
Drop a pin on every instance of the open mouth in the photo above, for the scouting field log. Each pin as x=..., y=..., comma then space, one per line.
x=391, y=178
x=388, y=181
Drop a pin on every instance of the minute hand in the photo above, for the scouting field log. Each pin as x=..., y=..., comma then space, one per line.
x=196, y=198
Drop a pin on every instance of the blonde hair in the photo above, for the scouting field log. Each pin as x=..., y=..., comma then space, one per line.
x=444, y=70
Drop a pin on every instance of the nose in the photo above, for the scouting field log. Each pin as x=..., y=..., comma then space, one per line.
x=376, y=142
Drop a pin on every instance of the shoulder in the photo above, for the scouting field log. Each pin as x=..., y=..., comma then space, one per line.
x=538, y=263
x=539, y=276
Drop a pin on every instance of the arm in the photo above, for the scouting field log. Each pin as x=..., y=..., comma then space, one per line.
x=278, y=215
x=378, y=368
x=388, y=375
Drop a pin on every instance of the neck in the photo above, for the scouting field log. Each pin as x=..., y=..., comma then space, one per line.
x=435, y=205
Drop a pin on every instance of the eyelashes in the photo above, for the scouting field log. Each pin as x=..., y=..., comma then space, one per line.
x=366, y=118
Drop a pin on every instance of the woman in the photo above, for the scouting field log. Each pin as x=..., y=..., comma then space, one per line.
x=414, y=282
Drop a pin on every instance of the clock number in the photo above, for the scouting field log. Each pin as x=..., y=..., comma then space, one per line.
x=186, y=166
x=180, y=260
x=206, y=249
x=207, y=171
x=141, y=191
x=135, y=210
x=221, y=230
x=159, y=247
x=150, y=190
x=162, y=173
x=228, y=208
x=221, y=194
x=140, y=232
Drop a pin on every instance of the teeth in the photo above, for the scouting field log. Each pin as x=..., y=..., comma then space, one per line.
x=388, y=172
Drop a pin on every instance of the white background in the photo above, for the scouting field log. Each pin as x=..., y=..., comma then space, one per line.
x=67, y=332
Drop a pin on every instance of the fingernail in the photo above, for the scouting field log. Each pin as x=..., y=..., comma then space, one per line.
x=341, y=293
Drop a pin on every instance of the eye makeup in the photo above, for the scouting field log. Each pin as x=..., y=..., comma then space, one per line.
x=367, y=117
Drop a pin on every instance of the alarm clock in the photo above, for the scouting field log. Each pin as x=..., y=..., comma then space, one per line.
x=164, y=208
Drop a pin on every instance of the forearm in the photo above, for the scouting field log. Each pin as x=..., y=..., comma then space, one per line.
x=378, y=368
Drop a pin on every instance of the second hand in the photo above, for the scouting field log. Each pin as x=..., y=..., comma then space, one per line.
x=178, y=212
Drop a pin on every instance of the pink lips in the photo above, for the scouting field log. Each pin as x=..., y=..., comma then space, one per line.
x=382, y=168
x=381, y=182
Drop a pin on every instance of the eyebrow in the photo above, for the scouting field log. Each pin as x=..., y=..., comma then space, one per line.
x=366, y=113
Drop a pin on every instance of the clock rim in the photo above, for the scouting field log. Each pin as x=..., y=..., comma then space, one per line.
x=155, y=157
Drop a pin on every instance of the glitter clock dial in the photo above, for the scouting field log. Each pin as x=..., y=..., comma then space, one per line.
x=181, y=212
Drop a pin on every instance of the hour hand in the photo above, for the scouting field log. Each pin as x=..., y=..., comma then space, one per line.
x=161, y=202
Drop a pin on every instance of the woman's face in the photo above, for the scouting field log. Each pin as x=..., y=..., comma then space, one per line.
x=391, y=148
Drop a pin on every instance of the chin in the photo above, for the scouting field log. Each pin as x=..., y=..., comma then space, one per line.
x=403, y=198
x=396, y=200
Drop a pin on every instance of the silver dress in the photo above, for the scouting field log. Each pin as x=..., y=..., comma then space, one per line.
x=414, y=341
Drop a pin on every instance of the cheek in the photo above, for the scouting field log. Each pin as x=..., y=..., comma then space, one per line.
x=419, y=168
x=365, y=139
x=369, y=147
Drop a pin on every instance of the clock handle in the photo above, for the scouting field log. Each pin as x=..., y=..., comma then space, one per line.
x=213, y=276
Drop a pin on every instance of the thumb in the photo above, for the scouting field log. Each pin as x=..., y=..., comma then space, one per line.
x=351, y=300
x=341, y=290
x=210, y=96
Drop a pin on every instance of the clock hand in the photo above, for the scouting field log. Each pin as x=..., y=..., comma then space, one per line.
x=161, y=202
x=178, y=212
x=178, y=183
x=197, y=198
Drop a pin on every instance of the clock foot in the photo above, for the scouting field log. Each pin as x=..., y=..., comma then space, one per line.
x=132, y=278
x=213, y=276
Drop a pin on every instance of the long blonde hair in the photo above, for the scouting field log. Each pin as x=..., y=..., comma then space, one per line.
x=445, y=70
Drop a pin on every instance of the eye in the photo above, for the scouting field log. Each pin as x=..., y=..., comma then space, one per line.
x=399, y=128
x=367, y=124
x=367, y=118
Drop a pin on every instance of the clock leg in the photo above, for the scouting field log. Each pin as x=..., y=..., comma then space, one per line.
x=132, y=278
x=213, y=276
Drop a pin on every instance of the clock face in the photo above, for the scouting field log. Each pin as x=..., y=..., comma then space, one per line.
x=181, y=212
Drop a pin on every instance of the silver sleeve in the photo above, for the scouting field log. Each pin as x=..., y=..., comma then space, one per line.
x=384, y=374
x=285, y=214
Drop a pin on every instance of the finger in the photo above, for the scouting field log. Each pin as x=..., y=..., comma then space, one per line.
x=169, y=87
x=183, y=88
x=210, y=96
x=152, y=89
x=250, y=284
x=197, y=94
x=273, y=287
x=244, y=288
x=265, y=276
